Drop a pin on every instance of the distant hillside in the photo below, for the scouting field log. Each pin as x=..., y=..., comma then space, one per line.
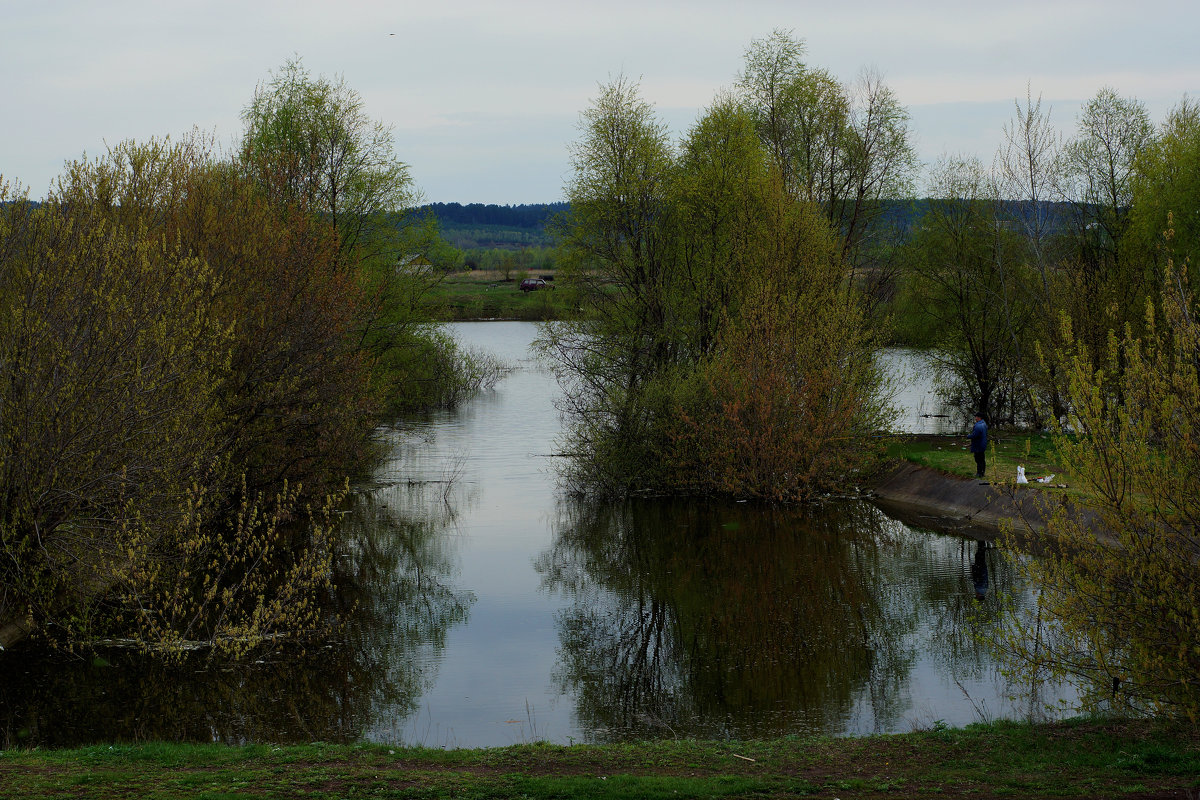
x=477, y=225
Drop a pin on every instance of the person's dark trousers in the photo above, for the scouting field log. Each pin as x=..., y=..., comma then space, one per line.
x=979, y=464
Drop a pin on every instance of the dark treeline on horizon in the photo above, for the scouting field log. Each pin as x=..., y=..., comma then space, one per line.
x=516, y=216
x=900, y=214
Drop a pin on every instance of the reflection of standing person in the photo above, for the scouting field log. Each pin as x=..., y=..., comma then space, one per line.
x=979, y=443
x=979, y=576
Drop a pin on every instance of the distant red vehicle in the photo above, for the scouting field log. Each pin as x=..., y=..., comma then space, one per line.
x=533, y=284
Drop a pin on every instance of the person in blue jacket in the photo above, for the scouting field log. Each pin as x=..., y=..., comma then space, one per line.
x=979, y=442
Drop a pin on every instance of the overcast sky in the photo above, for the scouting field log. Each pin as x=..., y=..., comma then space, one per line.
x=485, y=97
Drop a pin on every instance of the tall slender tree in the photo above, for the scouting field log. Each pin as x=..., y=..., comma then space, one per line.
x=309, y=138
x=1027, y=184
x=845, y=148
x=1167, y=183
x=967, y=268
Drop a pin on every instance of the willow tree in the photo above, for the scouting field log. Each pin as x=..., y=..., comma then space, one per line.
x=781, y=408
x=1108, y=282
x=1098, y=166
x=1167, y=182
x=1119, y=604
x=310, y=143
x=310, y=139
x=969, y=284
x=1026, y=173
x=176, y=366
x=843, y=147
x=678, y=254
x=108, y=397
x=616, y=256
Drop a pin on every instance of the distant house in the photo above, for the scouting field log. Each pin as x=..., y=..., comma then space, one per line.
x=412, y=263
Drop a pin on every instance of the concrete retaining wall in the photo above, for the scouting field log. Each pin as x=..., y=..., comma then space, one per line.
x=931, y=499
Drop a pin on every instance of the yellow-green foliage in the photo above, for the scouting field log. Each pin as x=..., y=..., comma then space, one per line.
x=174, y=348
x=1120, y=600
x=231, y=586
x=183, y=335
x=110, y=361
x=783, y=406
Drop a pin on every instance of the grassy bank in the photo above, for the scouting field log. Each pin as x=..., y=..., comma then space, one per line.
x=1006, y=451
x=484, y=294
x=1072, y=759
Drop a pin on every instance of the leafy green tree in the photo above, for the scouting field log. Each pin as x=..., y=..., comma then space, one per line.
x=1026, y=171
x=311, y=145
x=845, y=148
x=723, y=186
x=297, y=400
x=681, y=258
x=309, y=139
x=796, y=109
x=1098, y=167
x=615, y=257
x=194, y=352
x=1167, y=182
x=788, y=383
x=1119, y=604
x=969, y=276
x=1107, y=286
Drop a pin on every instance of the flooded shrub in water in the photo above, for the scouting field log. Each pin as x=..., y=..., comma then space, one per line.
x=182, y=335
x=167, y=332
x=437, y=371
x=113, y=356
x=229, y=589
x=723, y=348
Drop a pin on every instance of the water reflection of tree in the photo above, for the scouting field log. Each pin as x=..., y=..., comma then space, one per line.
x=723, y=621
x=957, y=629
x=397, y=593
x=391, y=589
x=959, y=617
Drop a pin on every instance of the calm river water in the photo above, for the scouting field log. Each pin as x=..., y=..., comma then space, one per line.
x=484, y=608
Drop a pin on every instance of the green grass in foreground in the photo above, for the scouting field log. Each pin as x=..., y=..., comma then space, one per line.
x=1072, y=759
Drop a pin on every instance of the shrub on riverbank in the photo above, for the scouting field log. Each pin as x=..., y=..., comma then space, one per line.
x=194, y=352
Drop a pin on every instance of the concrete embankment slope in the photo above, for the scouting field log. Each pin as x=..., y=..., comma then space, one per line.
x=932, y=499
x=11, y=633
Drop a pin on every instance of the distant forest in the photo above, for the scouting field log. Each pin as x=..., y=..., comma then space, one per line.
x=481, y=226
x=476, y=225
x=522, y=216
